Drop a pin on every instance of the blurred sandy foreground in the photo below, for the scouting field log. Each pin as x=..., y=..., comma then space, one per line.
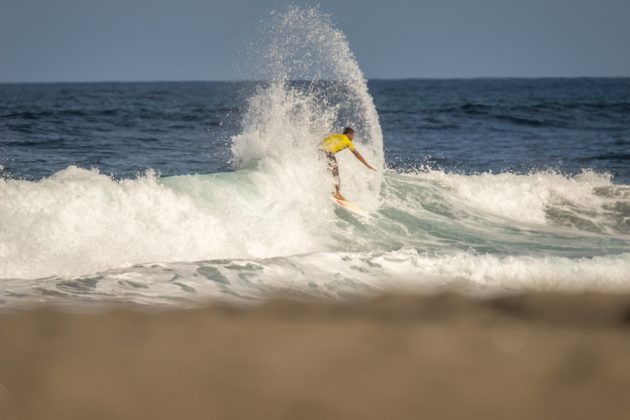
x=411, y=357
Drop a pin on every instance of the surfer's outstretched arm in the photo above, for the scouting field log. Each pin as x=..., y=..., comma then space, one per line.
x=362, y=159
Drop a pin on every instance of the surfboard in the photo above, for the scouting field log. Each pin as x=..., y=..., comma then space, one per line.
x=348, y=205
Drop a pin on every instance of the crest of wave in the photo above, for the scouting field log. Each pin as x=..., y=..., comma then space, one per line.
x=310, y=86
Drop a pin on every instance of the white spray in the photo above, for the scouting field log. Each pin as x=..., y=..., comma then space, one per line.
x=315, y=87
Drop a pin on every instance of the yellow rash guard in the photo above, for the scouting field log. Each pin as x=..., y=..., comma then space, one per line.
x=336, y=143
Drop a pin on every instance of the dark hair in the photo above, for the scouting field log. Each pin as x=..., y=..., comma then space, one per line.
x=348, y=130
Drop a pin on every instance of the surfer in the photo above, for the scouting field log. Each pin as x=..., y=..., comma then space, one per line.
x=335, y=143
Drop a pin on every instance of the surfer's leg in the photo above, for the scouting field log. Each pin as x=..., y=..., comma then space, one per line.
x=334, y=168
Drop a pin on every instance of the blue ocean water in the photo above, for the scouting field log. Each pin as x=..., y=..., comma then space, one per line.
x=187, y=192
x=500, y=125
x=176, y=128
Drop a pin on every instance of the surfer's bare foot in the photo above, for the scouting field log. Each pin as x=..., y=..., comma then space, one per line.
x=338, y=196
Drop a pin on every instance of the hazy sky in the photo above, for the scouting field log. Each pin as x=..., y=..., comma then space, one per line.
x=87, y=40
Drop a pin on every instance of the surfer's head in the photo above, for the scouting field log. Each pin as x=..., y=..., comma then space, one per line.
x=348, y=131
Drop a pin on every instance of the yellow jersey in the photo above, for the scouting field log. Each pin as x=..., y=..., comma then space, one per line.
x=336, y=143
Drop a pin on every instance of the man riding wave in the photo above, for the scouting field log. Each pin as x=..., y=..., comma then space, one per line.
x=335, y=143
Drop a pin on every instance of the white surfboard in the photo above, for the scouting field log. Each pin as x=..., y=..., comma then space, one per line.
x=351, y=207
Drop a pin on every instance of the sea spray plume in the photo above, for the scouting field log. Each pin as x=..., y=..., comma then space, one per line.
x=313, y=86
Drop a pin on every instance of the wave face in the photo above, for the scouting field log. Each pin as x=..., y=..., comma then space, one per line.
x=238, y=236
x=268, y=227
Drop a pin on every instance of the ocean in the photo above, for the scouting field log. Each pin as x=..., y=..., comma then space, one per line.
x=180, y=193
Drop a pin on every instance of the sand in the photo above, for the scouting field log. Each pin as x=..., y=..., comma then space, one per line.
x=404, y=357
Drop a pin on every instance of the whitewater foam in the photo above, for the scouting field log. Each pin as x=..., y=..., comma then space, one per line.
x=327, y=275
x=587, y=201
x=81, y=221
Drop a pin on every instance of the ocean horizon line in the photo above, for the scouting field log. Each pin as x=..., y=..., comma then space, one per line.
x=370, y=79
